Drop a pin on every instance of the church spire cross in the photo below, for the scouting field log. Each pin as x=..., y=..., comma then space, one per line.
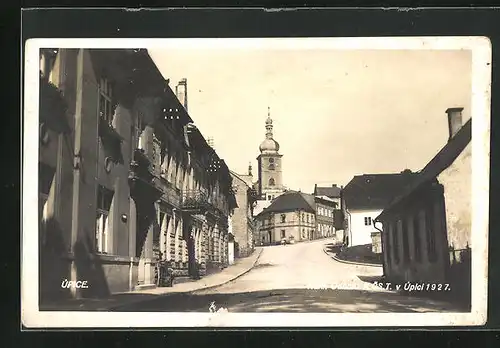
x=269, y=124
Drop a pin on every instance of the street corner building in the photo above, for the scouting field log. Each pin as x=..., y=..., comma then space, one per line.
x=427, y=227
x=125, y=178
x=290, y=217
x=242, y=226
x=365, y=197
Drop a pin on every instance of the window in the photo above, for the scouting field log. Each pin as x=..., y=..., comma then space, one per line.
x=271, y=164
x=431, y=234
x=157, y=247
x=104, y=197
x=395, y=238
x=406, y=245
x=416, y=238
x=387, y=245
x=106, y=100
x=303, y=218
x=283, y=233
x=283, y=218
x=368, y=221
x=269, y=197
x=307, y=216
x=303, y=233
x=271, y=182
x=156, y=153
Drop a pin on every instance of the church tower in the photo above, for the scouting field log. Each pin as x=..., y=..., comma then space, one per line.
x=270, y=182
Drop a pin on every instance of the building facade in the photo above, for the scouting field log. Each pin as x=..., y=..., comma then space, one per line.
x=427, y=228
x=334, y=193
x=325, y=217
x=291, y=217
x=125, y=179
x=242, y=223
x=365, y=196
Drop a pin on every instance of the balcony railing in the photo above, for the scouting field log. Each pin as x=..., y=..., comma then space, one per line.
x=170, y=193
x=195, y=200
x=198, y=201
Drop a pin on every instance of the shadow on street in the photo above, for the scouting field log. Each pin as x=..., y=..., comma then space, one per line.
x=292, y=300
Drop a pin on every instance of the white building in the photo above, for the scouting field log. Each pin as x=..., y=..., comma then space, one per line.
x=365, y=197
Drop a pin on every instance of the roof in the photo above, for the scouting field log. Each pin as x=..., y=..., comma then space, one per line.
x=443, y=159
x=326, y=200
x=375, y=191
x=242, y=177
x=329, y=191
x=291, y=201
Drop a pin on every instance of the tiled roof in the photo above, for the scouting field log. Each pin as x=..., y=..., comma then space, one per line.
x=444, y=158
x=375, y=191
x=290, y=201
x=329, y=191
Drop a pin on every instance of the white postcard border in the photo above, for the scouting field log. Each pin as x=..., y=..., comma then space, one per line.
x=480, y=109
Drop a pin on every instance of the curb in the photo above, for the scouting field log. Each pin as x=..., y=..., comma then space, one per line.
x=350, y=262
x=230, y=280
x=192, y=291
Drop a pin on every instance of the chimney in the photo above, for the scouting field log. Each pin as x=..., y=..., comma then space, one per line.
x=454, y=121
x=250, y=168
x=334, y=185
x=181, y=92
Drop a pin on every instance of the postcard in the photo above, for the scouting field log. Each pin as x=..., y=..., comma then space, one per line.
x=272, y=182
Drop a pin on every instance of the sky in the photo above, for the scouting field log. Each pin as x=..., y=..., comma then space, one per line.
x=336, y=113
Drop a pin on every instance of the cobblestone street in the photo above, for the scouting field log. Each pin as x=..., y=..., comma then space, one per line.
x=297, y=278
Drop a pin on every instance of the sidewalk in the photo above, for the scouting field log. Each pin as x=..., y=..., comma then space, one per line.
x=333, y=255
x=239, y=268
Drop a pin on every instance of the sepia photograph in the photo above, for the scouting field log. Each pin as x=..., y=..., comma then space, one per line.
x=256, y=182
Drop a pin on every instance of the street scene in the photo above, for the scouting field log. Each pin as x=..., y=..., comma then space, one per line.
x=298, y=278
x=302, y=185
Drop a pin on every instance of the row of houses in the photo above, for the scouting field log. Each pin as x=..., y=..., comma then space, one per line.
x=419, y=221
x=296, y=216
x=125, y=177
